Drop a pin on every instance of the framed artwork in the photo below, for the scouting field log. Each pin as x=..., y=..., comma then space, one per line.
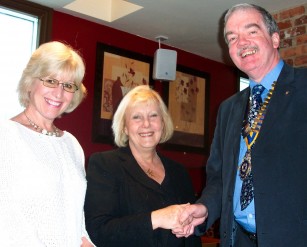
x=117, y=72
x=187, y=98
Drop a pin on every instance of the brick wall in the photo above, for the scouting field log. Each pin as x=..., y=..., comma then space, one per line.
x=293, y=33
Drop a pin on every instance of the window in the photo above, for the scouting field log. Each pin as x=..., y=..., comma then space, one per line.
x=15, y=52
x=243, y=81
x=23, y=26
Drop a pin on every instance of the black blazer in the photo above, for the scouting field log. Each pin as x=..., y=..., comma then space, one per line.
x=120, y=198
x=279, y=160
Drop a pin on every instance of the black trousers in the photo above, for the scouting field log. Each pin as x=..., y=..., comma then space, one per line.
x=242, y=239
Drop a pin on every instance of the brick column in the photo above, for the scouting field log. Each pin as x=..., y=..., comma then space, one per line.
x=292, y=23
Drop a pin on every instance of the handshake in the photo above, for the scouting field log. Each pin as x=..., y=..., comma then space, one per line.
x=181, y=219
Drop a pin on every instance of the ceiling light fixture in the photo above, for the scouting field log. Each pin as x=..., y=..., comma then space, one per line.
x=106, y=10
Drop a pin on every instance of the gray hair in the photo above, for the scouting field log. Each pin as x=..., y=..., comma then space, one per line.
x=268, y=19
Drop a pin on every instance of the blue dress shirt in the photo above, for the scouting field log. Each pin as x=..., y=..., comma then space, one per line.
x=246, y=218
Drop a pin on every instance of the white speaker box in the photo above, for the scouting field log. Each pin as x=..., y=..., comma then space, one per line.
x=164, y=67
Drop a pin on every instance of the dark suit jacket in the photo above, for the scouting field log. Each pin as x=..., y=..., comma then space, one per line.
x=279, y=161
x=120, y=198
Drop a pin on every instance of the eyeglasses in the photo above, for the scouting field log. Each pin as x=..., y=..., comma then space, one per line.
x=53, y=83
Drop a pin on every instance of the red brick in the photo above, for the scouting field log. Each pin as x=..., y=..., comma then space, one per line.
x=302, y=39
x=296, y=51
x=293, y=35
x=302, y=49
x=300, y=21
x=284, y=24
x=289, y=61
x=300, y=61
x=292, y=12
x=285, y=43
x=295, y=31
x=282, y=34
x=287, y=52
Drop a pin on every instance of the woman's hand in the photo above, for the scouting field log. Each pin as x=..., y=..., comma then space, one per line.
x=167, y=218
x=86, y=243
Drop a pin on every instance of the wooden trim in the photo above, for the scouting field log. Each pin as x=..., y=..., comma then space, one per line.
x=43, y=13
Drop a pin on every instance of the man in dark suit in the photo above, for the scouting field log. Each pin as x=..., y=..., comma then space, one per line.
x=257, y=169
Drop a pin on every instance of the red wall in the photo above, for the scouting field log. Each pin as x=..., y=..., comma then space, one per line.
x=83, y=35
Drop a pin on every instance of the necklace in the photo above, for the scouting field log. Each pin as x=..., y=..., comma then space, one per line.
x=150, y=173
x=55, y=131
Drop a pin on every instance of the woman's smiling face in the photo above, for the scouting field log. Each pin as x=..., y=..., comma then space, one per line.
x=50, y=102
x=144, y=125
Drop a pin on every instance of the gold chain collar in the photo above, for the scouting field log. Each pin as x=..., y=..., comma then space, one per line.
x=256, y=125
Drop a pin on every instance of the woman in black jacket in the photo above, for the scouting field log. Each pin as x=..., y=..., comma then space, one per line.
x=135, y=195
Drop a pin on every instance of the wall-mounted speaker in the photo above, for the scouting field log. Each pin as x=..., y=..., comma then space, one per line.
x=164, y=67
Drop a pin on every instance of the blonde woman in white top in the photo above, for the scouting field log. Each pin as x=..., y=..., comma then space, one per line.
x=42, y=177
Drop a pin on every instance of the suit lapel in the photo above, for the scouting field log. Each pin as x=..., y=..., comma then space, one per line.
x=238, y=113
x=281, y=98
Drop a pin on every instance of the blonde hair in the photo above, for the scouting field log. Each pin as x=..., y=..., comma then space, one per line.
x=50, y=59
x=140, y=94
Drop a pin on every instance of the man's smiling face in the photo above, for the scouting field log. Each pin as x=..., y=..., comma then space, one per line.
x=251, y=47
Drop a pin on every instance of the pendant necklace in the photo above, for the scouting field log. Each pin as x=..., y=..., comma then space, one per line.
x=55, y=132
x=150, y=173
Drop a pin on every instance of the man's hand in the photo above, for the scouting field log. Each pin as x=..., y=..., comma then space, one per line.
x=192, y=215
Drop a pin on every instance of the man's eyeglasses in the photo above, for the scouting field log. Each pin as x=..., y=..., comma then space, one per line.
x=53, y=83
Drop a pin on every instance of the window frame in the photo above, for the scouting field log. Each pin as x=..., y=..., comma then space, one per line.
x=240, y=75
x=43, y=13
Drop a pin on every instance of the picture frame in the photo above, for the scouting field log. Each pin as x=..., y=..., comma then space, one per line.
x=117, y=71
x=187, y=98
